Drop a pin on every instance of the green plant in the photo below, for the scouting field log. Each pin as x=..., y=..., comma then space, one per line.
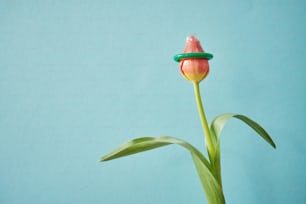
x=194, y=67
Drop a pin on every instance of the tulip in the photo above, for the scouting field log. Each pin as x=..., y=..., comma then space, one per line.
x=194, y=62
x=194, y=67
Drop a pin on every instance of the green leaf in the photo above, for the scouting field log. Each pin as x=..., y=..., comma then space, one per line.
x=135, y=146
x=213, y=190
x=211, y=187
x=216, y=127
x=219, y=122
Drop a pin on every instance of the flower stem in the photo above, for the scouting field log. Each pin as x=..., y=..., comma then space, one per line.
x=208, y=139
x=210, y=142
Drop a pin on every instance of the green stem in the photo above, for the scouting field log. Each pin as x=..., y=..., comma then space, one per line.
x=208, y=139
x=214, y=156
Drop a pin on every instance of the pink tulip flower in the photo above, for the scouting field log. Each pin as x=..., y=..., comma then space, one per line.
x=194, y=69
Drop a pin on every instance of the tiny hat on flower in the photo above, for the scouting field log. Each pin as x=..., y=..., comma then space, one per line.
x=193, y=61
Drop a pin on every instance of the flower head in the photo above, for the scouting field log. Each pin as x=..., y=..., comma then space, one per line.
x=194, y=61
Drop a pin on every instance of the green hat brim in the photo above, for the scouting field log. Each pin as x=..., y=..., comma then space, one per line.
x=193, y=55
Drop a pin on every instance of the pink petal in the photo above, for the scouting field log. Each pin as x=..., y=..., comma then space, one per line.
x=193, y=45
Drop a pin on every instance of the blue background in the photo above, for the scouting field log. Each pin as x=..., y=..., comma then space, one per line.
x=79, y=78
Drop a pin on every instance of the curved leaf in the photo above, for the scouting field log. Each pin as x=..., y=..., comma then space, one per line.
x=216, y=127
x=213, y=190
x=134, y=146
x=211, y=187
x=219, y=122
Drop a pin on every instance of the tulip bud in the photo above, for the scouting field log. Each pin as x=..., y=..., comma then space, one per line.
x=194, y=61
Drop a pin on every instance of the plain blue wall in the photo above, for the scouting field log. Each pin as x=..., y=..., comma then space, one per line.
x=78, y=78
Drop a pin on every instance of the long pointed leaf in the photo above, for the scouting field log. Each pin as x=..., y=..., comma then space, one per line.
x=213, y=190
x=135, y=146
x=219, y=122
x=216, y=128
x=211, y=187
